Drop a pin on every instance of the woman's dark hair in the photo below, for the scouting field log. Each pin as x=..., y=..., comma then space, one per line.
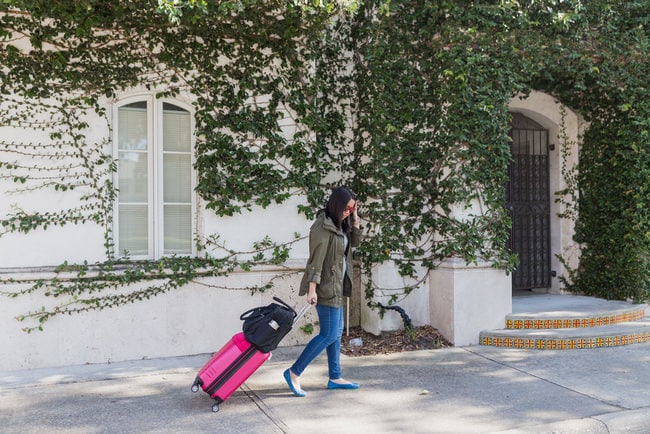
x=337, y=204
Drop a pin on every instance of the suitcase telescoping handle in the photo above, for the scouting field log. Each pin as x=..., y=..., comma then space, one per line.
x=301, y=313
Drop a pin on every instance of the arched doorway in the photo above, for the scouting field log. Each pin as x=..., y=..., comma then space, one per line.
x=528, y=197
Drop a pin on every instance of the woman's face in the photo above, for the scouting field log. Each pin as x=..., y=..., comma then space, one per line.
x=350, y=208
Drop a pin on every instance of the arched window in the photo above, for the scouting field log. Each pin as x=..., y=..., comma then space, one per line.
x=155, y=199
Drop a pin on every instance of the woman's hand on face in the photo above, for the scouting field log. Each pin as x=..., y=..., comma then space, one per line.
x=355, y=215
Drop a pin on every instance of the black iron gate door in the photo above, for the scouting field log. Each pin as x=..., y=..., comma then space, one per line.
x=529, y=200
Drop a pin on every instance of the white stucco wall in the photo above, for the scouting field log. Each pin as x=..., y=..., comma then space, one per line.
x=192, y=320
x=197, y=318
x=388, y=282
x=457, y=299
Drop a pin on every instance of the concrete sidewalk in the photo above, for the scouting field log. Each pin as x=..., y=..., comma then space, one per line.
x=455, y=390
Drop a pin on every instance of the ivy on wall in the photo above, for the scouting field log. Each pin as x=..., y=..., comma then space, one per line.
x=604, y=73
x=406, y=102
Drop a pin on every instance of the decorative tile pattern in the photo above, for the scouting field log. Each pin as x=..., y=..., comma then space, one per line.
x=527, y=332
x=565, y=343
x=566, y=323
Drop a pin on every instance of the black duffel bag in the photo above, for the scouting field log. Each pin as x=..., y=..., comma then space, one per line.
x=265, y=326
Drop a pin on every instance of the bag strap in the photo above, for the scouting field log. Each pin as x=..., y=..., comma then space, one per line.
x=258, y=310
x=250, y=313
x=285, y=305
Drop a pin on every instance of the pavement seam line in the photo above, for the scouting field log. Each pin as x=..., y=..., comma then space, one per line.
x=265, y=409
x=545, y=379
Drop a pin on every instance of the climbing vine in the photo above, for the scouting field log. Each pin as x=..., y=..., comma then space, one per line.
x=406, y=102
x=604, y=73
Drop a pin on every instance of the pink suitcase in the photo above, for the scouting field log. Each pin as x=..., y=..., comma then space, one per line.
x=234, y=363
x=229, y=368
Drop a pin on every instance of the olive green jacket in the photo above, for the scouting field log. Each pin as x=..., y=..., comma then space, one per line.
x=325, y=264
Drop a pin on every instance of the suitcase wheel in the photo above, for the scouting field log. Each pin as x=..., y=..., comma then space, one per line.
x=197, y=383
x=215, y=407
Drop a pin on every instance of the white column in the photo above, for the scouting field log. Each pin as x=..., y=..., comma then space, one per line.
x=466, y=299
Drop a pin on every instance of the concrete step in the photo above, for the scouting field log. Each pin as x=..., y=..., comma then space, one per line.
x=570, y=322
x=569, y=338
x=576, y=318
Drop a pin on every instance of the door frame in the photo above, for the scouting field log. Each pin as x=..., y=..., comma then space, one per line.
x=565, y=128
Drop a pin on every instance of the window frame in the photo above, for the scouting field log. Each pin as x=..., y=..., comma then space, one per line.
x=155, y=180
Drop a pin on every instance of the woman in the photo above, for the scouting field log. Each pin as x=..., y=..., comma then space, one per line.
x=326, y=281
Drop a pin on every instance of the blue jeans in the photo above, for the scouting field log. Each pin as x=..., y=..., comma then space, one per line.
x=329, y=338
